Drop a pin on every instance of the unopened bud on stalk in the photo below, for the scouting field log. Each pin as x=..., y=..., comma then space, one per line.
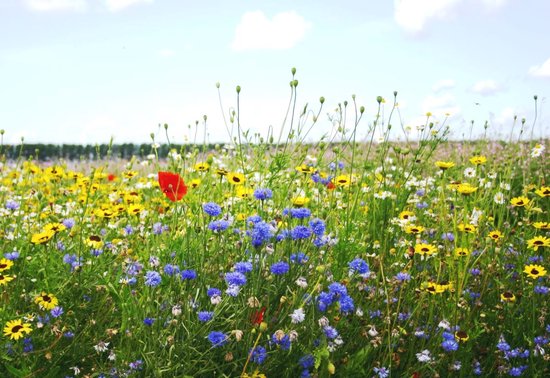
x=321, y=100
x=293, y=70
x=218, y=85
x=165, y=126
x=362, y=109
x=238, y=89
x=331, y=368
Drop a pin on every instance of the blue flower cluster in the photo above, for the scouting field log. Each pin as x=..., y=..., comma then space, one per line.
x=263, y=193
x=212, y=209
x=336, y=293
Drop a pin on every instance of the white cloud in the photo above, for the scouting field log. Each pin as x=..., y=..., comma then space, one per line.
x=443, y=84
x=256, y=31
x=487, y=87
x=494, y=4
x=116, y=5
x=167, y=53
x=53, y=5
x=541, y=70
x=441, y=105
x=414, y=15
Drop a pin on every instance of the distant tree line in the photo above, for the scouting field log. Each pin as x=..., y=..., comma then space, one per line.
x=44, y=152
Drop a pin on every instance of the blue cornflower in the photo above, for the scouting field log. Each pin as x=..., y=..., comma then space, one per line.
x=69, y=222
x=307, y=361
x=263, y=193
x=402, y=277
x=449, y=236
x=358, y=266
x=330, y=332
x=421, y=205
x=448, y=336
x=212, y=209
x=96, y=252
x=243, y=267
x=324, y=300
x=135, y=365
x=218, y=225
x=300, y=232
x=128, y=230
x=403, y=316
x=159, y=228
x=477, y=368
x=68, y=335
x=317, y=226
x=375, y=314
x=282, y=235
x=346, y=304
x=170, y=269
x=280, y=268
x=12, y=205
x=338, y=289
x=282, y=341
x=541, y=340
x=148, y=321
x=152, y=278
x=133, y=268
x=475, y=272
x=213, y=291
x=11, y=255
x=260, y=233
x=205, y=316
x=188, y=274
x=235, y=279
x=517, y=371
x=449, y=345
x=503, y=345
x=299, y=258
x=27, y=345
x=217, y=338
x=539, y=289
x=258, y=354
x=57, y=311
x=300, y=213
x=73, y=260
x=382, y=372
x=253, y=219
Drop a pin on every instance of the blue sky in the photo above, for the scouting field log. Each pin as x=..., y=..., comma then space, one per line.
x=83, y=71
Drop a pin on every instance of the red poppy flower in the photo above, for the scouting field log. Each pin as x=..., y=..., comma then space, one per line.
x=330, y=185
x=172, y=185
x=111, y=177
x=258, y=316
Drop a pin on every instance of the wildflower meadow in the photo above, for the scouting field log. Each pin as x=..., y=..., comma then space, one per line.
x=271, y=256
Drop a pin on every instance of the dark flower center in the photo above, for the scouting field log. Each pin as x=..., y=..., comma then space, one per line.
x=16, y=329
x=95, y=238
x=46, y=298
x=534, y=271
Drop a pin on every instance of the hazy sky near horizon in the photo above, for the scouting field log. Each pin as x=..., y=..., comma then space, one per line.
x=83, y=71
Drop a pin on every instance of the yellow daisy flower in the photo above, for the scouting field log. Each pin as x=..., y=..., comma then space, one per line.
x=425, y=249
x=535, y=271
x=537, y=242
x=46, y=301
x=14, y=329
x=444, y=165
x=478, y=159
x=519, y=201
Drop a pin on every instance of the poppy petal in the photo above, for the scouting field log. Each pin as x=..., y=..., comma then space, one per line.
x=172, y=185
